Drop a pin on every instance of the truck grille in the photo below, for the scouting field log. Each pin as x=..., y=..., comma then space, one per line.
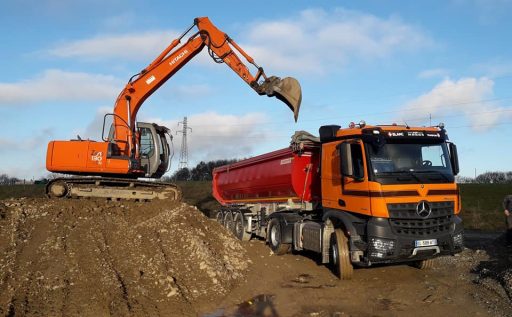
x=405, y=221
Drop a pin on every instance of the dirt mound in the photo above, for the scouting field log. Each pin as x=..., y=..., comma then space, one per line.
x=78, y=257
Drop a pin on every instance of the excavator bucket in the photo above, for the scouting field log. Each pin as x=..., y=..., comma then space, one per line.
x=287, y=90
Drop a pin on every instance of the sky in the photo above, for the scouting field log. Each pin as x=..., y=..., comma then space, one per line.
x=416, y=62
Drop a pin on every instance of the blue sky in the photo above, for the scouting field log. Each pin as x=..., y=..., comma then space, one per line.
x=64, y=62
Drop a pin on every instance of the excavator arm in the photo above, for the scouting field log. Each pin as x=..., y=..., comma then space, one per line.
x=119, y=158
x=222, y=49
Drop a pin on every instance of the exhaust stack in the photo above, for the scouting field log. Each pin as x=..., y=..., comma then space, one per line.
x=287, y=90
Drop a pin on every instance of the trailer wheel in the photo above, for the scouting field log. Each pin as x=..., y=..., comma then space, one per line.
x=274, y=238
x=424, y=264
x=339, y=255
x=240, y=228
x=220, y=217
x=228, y=221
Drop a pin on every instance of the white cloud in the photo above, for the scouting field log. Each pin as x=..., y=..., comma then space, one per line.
x=313, y=41
x=93, y=129
x=316, y=41
x=132, y=46
x=39, y=139
x=469, y=97
x=218, y=136
x=432, y=73
x=59, y=85
x=26, y=159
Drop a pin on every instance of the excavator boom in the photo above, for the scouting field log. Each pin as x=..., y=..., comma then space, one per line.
x=222, y=49
x=120, y=156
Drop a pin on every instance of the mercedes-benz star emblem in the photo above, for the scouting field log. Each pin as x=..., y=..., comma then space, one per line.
x=423, y=209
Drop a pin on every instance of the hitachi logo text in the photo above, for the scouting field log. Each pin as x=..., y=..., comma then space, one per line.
x=177, y=58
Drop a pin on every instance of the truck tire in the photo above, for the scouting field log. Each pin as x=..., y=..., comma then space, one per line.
x=228, y=221
x=274, y=235
x=339, y=255
x=220, y=217
x=424, y=264
x=240, y=227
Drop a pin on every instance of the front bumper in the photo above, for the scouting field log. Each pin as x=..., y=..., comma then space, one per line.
x=385, y=245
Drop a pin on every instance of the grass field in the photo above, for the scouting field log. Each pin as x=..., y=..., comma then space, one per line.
x=481, y=203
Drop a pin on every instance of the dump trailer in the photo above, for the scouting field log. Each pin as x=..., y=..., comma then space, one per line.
x=357, y=196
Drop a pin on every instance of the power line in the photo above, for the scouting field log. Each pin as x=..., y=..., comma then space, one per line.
x=184, y=147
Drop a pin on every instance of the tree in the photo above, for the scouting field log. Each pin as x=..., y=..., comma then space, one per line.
x=494, y=178
x=182, y=174
x=203, y=171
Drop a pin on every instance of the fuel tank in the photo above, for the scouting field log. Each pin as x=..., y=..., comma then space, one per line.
x=273, y=177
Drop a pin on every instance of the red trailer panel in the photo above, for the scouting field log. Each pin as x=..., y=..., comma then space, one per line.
x=273, y=177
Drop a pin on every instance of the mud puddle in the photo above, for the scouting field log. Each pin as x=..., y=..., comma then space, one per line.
x=259, y=306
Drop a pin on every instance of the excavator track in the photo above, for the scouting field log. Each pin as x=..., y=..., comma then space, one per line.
x=111, y=188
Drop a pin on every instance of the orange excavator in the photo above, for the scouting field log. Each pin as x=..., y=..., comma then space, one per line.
x=134, y=149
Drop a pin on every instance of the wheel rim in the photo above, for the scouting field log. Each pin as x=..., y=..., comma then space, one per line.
x=219, y=217
x=228, y=221
x=274, y=236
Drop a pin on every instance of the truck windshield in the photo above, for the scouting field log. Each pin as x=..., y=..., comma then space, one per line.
x=419, y=162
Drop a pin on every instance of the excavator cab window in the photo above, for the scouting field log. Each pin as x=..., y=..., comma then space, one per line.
x=147, y=144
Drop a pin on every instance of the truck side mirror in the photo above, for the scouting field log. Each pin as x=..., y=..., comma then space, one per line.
x=346, y=160
x=454, y=158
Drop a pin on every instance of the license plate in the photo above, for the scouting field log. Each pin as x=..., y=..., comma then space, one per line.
x=425, y=243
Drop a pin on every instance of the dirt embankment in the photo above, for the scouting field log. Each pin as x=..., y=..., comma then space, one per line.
x=96, y=258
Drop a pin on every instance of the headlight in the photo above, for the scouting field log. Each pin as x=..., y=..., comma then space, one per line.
x=458, y=240
x=379, y=248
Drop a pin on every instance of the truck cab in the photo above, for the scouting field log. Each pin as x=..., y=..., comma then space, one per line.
x=392, y=189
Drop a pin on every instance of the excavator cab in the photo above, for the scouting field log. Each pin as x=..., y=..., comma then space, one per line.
x=154, y=149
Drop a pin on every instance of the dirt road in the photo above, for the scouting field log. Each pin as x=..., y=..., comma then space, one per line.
x=295, y=285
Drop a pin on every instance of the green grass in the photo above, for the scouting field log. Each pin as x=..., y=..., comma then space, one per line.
x=481, y=203
x=17, y=191
x=199, y=194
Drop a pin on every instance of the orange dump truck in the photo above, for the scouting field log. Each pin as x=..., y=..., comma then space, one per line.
x=358, y=196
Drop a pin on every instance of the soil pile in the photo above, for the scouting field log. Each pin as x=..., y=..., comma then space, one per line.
x=96, y=258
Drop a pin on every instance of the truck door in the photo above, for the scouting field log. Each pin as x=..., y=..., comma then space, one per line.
x=355, y=194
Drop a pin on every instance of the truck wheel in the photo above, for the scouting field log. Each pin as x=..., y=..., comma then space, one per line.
x=424, y=264
x=339, y=255
x=228, y=221
x=240, y=229
x=220, y=217
x=274, y=238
